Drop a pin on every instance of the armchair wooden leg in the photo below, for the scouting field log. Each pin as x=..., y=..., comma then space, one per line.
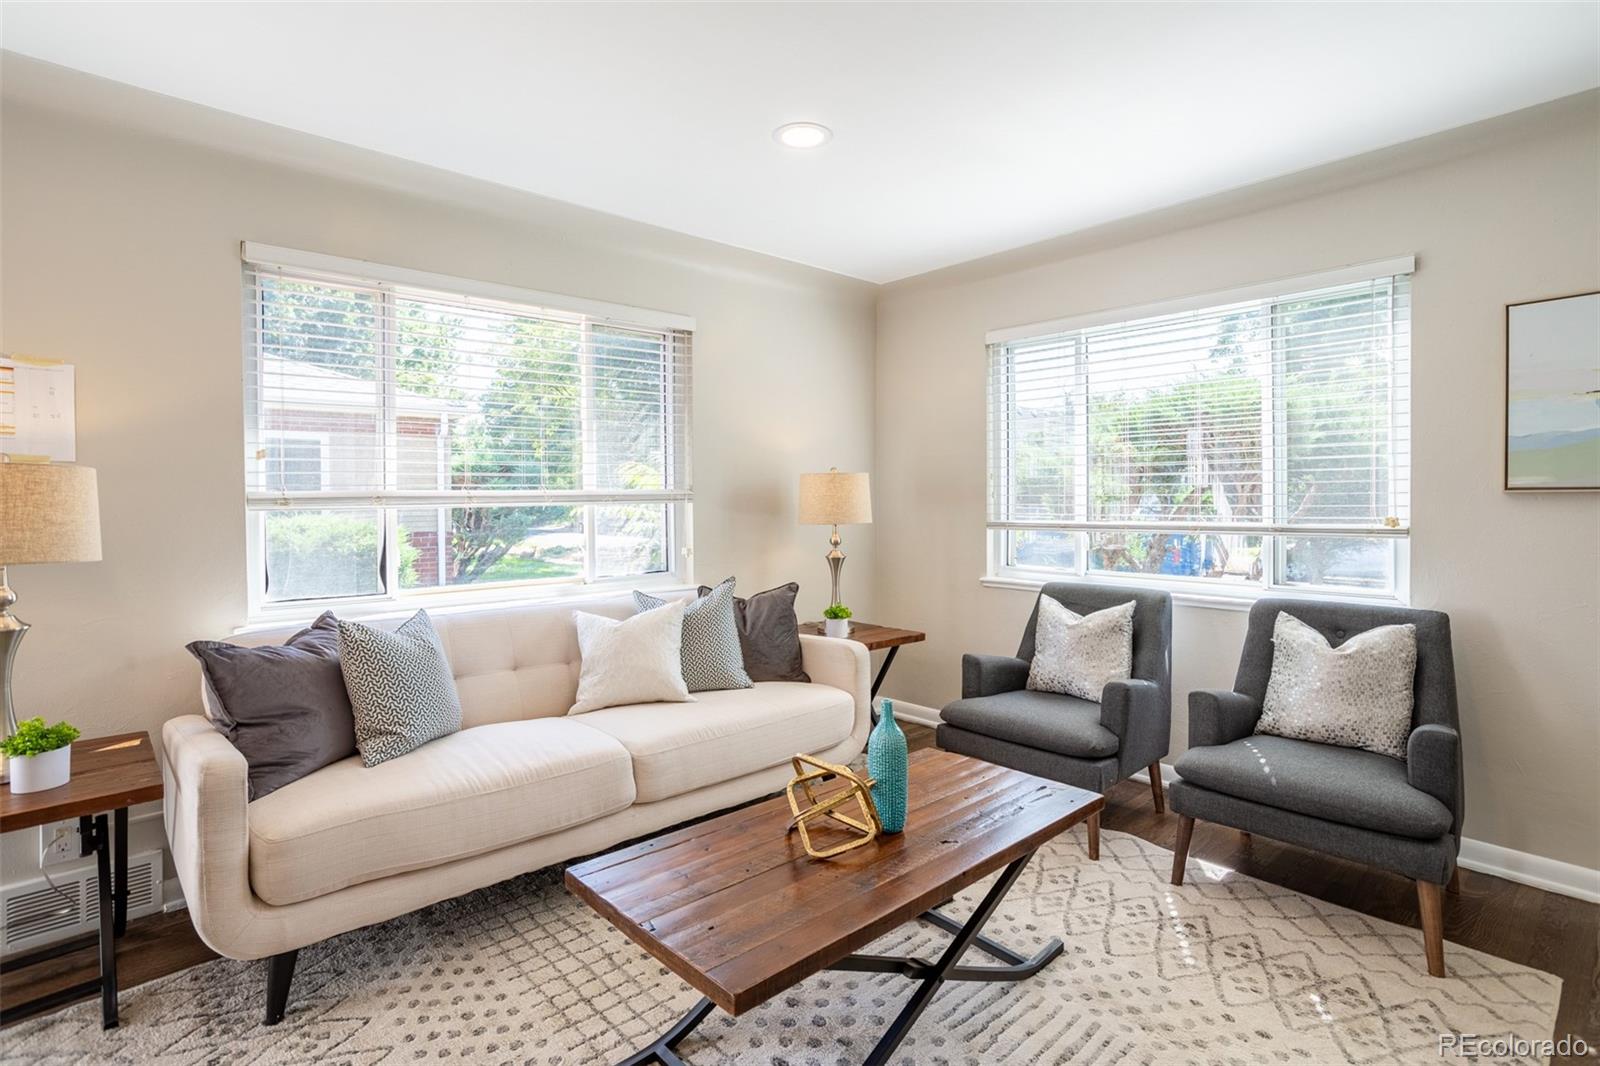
x=1155, y=787
x=1453, y=886
x=1432, y=907
x=1093, y=825
x=280, y=972
x=1180, y=851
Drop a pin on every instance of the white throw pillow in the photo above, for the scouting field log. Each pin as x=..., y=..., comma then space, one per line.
x=636, y=660
x=1076, y=654
x=1357, y=695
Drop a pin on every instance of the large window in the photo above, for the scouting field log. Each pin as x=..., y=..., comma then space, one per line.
x=1260, y=440
x=408, y=434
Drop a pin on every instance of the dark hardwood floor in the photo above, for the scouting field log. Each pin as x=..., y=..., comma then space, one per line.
x=1554, y=933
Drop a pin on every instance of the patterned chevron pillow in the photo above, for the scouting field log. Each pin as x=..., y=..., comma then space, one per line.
x=711, y=656
x=401, y=690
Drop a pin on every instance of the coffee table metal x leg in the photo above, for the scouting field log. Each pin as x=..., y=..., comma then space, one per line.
x=931, y=975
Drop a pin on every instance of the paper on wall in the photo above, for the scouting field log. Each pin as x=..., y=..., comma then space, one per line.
x=37, y=409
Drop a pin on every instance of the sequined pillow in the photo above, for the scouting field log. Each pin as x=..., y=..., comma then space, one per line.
x=1076, y=654
x=1357, y=695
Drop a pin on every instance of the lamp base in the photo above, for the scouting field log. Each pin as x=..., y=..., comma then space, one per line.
x=835, y=559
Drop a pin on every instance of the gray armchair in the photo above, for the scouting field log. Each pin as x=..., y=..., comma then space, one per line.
x=1076, y=741
x=1404, y=817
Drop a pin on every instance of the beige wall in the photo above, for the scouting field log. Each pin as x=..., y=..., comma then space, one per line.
x=121, y=254
x=1509, y=213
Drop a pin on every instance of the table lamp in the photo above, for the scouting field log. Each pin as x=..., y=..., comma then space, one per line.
x=835, y=499
x=49, y=513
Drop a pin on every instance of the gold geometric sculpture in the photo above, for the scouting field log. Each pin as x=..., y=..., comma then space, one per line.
x=826, y=807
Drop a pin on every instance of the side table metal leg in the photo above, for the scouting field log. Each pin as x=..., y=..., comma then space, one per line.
x=108, y=934
x=883, y=671
x=119, y=872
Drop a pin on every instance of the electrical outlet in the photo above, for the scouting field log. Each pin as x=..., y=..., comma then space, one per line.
x=58, y=843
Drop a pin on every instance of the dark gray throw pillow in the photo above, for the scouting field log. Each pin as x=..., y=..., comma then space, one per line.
x=283, y=706
x=711, y=654
x=401, y=690
x=769, y=634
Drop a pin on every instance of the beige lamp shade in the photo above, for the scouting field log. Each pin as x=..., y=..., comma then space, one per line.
x=835, y=499
x=49, y=513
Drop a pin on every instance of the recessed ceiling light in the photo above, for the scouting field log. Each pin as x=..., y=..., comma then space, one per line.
x=802, y=135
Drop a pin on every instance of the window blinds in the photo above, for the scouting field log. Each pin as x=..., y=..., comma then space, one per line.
x=1273, y=413
x=363, y=391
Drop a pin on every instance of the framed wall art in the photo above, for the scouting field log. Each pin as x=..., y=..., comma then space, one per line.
x=1553, y=394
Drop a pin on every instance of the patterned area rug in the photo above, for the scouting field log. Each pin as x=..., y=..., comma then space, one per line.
x=1223, y=970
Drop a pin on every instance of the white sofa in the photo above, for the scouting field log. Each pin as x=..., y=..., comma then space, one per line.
x=520, y=787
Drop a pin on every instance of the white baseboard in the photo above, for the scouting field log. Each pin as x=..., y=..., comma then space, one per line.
x=1479, y=856
x=1552, y=875
x=916, y=713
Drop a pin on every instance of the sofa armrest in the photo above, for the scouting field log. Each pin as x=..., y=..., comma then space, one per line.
x=844, y=664
x=208, y=828
x=1142, y=720
x=1220, y=717
x=989, y=675
x=1433, y=765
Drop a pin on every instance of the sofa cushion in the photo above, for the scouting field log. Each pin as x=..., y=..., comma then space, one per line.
x=680, y=747
x=1048, y=721
x=464, y=794
x=1344, y=785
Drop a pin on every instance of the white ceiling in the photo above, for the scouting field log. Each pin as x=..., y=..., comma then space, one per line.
x=959, y=129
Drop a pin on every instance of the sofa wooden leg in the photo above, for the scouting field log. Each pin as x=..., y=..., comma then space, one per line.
x=1093, y=826
x=280, y=972
x=1180, y=851
x=1432, y=906
x=1155, y=788
x=1453, y=886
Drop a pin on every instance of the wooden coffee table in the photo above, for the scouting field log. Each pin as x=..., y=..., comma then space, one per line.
x=735, y=907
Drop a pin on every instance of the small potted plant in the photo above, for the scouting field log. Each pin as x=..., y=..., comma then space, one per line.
x=39, y=756
x=836, y=620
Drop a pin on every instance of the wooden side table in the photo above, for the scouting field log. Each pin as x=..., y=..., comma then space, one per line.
x=109, y=775
x=876, y=638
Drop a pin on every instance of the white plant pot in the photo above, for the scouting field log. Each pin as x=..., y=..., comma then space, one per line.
x=836, y=627
x=35, y=773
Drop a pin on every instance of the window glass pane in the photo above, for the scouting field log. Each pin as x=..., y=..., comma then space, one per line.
x=1339, y=394
x=1046, y=549
x=316, y=554
x=628, y=410
x=294, y=464
x=504, y=390
x=451, y=546
x=630, y=540
x=317, y=380
x=1041, y=422
x=1357, y=563
x=1175, y=417
x=1226, y=557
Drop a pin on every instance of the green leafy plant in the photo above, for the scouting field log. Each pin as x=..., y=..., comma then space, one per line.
x=836, y=611
x=33, y=737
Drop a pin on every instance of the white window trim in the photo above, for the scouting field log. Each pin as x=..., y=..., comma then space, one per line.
x=263, y=613
x=363, y=270
x=1192, y=591
x=1327, y=279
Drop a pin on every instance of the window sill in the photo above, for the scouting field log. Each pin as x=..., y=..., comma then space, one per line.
x=1234, y=599
x=456, y=601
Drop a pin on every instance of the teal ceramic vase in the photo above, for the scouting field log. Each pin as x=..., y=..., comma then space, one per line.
x=886, y=765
